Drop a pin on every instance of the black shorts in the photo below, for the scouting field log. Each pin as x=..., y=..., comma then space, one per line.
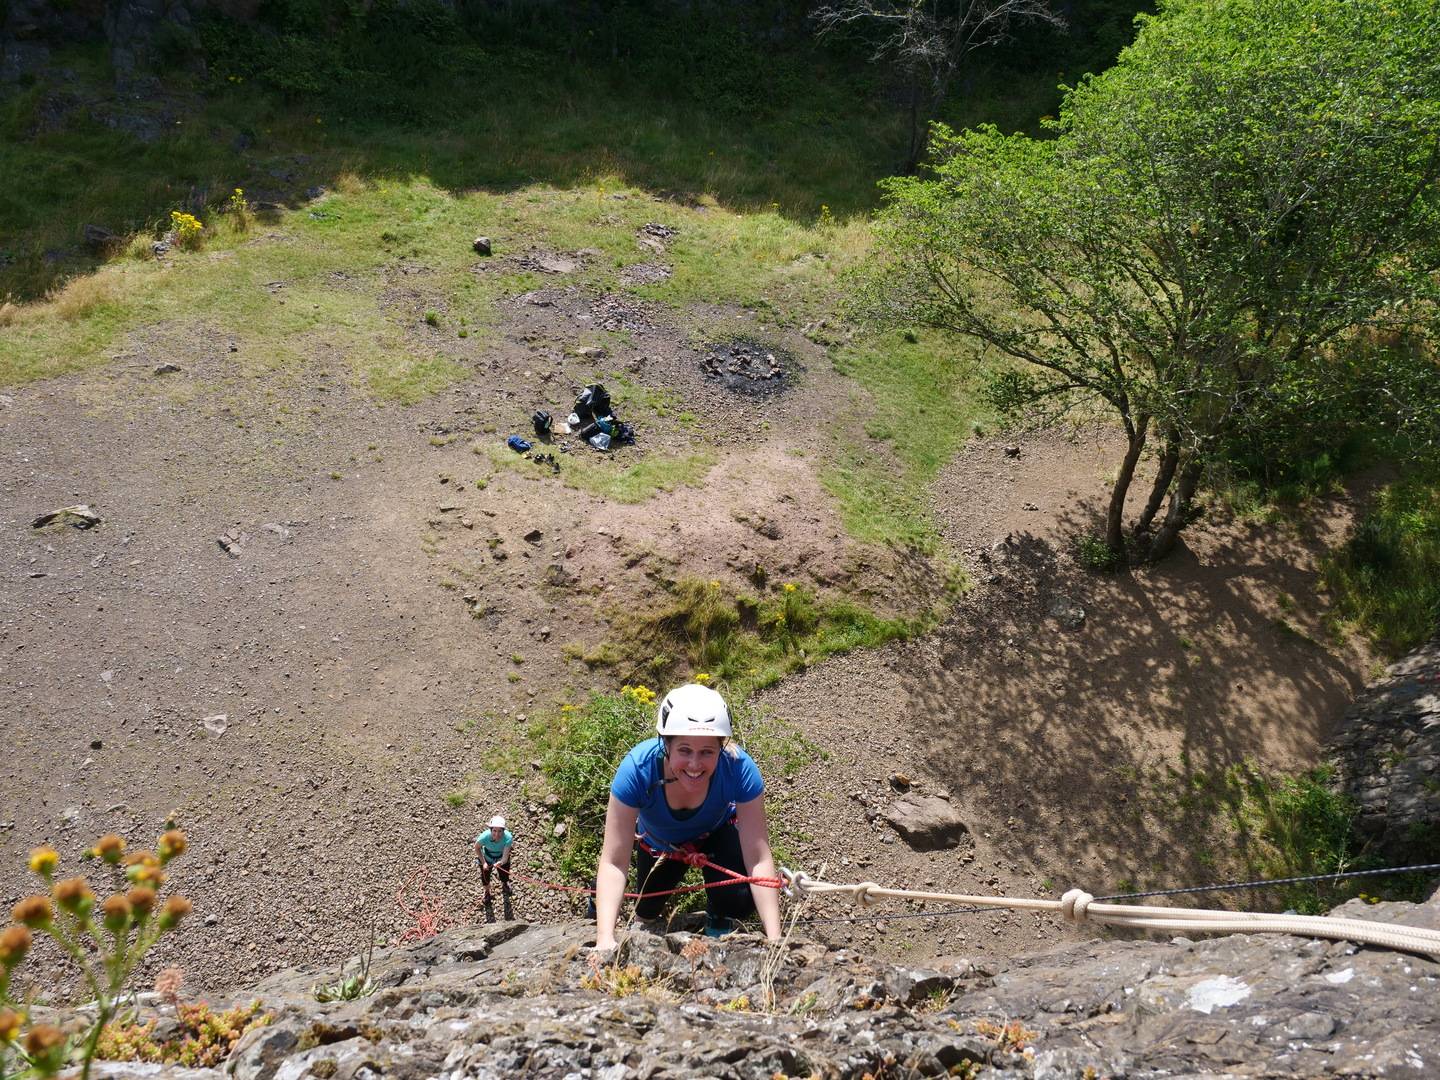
x=721, y=847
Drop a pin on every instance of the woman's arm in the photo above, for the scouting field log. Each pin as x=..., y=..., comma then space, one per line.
x=613, y=869
x=755, y=848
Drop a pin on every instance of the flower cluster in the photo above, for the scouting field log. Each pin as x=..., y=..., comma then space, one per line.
x=106, y=939
x=187, y=228
x=641, y=695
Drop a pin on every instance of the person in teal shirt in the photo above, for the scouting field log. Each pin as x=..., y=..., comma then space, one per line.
x=492, y=852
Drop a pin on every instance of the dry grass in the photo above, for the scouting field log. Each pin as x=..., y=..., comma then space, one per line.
x=80, y=297
x=9, y=314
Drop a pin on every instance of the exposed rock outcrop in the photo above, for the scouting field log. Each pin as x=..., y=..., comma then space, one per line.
x=1386, y=754
x=511, y=1000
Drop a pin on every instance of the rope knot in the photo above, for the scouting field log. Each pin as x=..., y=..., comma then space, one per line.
x=1073, y=905
x=797, y=883
x=862, y=894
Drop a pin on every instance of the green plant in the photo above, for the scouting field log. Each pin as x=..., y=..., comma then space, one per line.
x=201, y=1038
x=623, y=980
x=239, y=207
x=106, y=940
x=432, y=317
x=744, y=641
x=1093, y=553
x=354, y=986
x=456, y=798
x=579, y=754
x=1305, y=827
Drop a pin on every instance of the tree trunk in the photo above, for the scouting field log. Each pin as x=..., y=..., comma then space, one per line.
x=1115, y=514
x=1168, y=460
x=1177, y=511
x=913, y=155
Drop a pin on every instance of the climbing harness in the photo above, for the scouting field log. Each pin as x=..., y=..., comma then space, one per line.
x=1079, y=906
x=686, y=853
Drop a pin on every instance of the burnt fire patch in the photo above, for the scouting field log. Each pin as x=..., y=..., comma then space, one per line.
x=749, y=367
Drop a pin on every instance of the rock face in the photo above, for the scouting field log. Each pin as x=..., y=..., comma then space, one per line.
x=510, y=1000
x=1386, y=754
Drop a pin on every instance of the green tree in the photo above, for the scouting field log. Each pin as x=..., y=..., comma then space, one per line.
x=1199, y=243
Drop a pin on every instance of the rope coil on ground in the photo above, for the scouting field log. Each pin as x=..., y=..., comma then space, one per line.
x=1077, y=905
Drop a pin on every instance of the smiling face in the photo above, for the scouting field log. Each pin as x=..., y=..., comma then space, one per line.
x=692, y=759
x=496, y=832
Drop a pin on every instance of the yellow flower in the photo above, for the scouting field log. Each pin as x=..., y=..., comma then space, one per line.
x=44, y=860
x=789, y=587
x=10, y=1024
x=702, y=677
x=42, y=1039
x=15, y=942
x=109, y=848
x=117, y=911
x=142, y=900
x=172, y=844
x=75, y=896
x=175, y=909
x=33, y=911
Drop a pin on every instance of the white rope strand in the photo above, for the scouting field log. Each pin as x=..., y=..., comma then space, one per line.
x=1079, y=906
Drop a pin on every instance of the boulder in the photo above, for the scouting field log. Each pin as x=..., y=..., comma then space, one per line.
x=927, y=823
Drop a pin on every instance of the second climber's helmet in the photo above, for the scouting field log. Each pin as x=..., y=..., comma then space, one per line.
x=693, y=709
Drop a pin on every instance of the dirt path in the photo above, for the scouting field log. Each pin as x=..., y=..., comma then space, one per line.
x=332, y=703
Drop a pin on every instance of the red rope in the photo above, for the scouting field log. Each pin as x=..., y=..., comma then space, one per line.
x=427, y=913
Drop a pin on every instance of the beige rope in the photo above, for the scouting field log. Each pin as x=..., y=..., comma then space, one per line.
x=1079, y=906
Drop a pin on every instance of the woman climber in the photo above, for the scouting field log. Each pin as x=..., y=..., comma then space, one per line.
x=688, y=789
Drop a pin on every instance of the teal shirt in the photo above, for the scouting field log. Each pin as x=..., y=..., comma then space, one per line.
x=495, y=849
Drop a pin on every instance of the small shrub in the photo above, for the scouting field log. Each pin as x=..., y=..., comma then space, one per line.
x=350, y=987
x=140, y=248
x=432, y=317
x=579, y=757
x=1095, y=555
x=625, y=980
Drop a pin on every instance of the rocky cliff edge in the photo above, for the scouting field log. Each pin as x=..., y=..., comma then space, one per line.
x=510, y=999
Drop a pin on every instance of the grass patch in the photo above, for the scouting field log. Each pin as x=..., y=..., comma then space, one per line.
x=1299, y=826
x=745, y=641
x=408, y=379
x=1386, y=577
x=924, y=406
x=605, y=478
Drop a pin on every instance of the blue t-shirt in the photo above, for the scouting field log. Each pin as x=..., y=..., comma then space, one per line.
x=494, y=849
x=736, y=779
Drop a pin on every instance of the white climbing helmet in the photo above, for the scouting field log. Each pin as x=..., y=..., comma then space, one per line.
x=497, y=822
x=693, y=709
